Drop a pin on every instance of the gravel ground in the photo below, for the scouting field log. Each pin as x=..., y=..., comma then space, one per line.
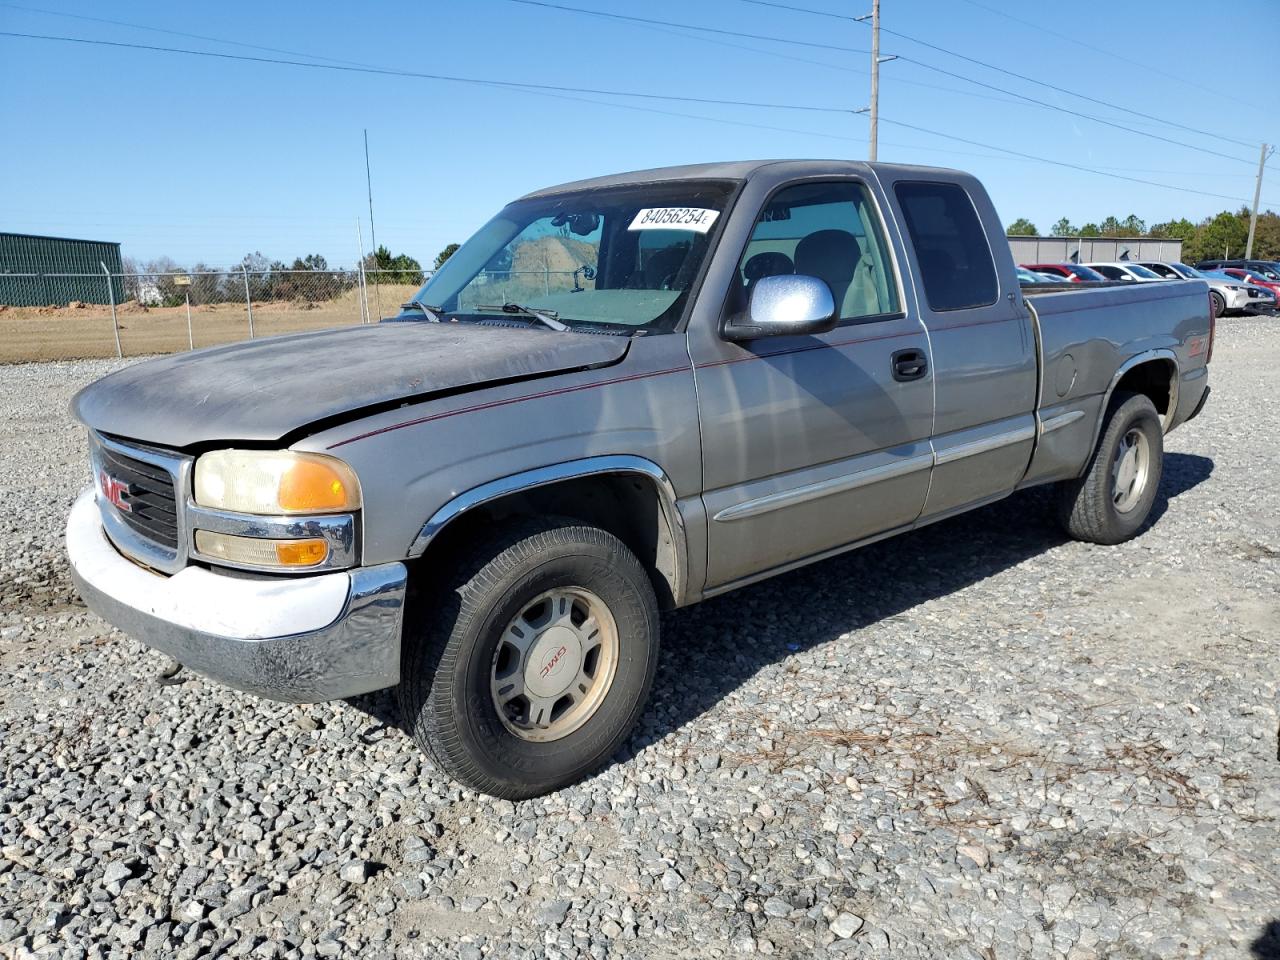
x=977, y=741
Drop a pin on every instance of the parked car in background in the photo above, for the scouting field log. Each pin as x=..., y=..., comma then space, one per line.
x=1228, y=294
x=1030, y=276
x=1070, y=271
x=1268, y=269
x=1254, y=277
x=1125, y=271
x=1257, y=299
x=1172, y=270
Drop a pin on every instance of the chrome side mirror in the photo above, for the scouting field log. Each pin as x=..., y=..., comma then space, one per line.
x=792, y=305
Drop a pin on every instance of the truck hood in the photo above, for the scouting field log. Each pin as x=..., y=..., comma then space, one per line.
x=260, y=391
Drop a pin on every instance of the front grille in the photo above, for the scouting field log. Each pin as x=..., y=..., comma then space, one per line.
x=153, y=509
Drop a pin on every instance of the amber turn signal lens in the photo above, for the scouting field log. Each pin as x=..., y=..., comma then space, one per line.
x=256, y=552
x=314, y=486
x=301, y=553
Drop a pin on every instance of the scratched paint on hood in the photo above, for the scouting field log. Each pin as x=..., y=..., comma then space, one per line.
x=261, y=390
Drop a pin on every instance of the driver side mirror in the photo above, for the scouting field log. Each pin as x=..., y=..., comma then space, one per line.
x=792, y=305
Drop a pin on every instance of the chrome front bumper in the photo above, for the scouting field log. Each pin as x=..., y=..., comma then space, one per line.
x=299, y=639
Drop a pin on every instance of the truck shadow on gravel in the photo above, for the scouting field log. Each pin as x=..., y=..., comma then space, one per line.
x=1267, y=946
x=714, y=647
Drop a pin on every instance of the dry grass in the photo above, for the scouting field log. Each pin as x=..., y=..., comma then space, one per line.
x=65, y=333
x=923, y=759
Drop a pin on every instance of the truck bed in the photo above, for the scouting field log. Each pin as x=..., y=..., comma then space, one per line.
x=1088, y=336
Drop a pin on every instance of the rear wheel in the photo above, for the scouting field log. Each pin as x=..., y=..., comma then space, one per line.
x=1111, y=502
x=526, y=673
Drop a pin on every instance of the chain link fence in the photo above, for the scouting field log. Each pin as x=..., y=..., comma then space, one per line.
x=64, y=316
x=67, y=316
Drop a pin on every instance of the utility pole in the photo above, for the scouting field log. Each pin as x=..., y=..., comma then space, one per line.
x=876, y=60
x=1257, y=198
x=875, y=77
x=368, y=182
x=373, y=236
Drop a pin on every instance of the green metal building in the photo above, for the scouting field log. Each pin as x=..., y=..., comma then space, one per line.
x=46, y=271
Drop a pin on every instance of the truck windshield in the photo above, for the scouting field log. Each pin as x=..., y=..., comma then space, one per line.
x=621, y=258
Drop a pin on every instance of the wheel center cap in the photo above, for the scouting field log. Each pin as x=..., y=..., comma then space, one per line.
x=1128, y=469
x=553, y=662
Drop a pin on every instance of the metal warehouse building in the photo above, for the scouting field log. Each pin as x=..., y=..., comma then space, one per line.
x=1093, y=249
x=39, y=271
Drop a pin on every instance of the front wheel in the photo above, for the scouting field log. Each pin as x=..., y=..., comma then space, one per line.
x=1219, y=303
x=1111, y=502
x=526, y=673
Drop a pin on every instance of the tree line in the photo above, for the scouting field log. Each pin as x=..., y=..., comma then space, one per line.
x=1216, y=237
x=306, y=278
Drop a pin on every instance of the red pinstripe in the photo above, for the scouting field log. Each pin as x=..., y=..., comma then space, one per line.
x=491, y=404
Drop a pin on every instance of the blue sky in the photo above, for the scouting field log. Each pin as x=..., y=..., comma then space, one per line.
x=206, y=159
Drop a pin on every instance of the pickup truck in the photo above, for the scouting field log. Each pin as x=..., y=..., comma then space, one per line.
x=622, y=395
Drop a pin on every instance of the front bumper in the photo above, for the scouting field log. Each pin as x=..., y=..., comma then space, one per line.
x=1234, y=299
x=299, y=639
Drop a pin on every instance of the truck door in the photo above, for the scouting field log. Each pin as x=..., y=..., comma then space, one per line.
x=984, y=359
x=811, y=443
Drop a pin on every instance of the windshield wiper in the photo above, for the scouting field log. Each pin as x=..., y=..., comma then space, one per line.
x=435, y=314
x=549, y=317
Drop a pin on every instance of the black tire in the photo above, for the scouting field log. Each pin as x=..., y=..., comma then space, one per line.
x=452, y=637
x=1087, y=507
x=1219, y=303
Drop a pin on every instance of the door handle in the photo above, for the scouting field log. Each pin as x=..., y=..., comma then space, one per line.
x=909, y=365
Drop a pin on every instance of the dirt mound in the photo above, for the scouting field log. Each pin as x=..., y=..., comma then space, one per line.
x=555, y=254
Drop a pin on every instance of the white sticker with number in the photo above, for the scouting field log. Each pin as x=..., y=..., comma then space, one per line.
x=697, y=219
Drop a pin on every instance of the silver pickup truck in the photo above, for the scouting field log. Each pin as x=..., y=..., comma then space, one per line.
x=620, y=396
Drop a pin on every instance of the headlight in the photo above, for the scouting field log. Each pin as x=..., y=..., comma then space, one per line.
x=275, y=482
x=1235, y=288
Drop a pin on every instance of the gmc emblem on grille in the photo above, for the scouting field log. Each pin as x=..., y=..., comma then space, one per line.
x=114, y=490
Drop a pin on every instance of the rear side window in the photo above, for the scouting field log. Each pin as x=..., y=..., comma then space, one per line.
x=951, y=246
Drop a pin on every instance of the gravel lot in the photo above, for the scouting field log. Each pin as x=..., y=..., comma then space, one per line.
x=978, y=741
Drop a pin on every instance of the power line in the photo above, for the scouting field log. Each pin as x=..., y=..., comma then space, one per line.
x=920, y=63
x=1057, y=163
x=173, y=33
x=1057, y=89
x=560, y=96
x=1103, y=50
x=507, y=84
x=1070, y=112
x=685, y=26
x=565, y=93
x=679, y=31
x=656, y=23
x=1137, y=113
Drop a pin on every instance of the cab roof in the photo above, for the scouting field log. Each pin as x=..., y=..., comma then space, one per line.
x=741, y=170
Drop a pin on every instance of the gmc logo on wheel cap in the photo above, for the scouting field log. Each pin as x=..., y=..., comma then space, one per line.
x=114, y=490
x=550, y=665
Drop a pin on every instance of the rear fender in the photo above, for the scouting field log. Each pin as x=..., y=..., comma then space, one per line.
x=1160, y=356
